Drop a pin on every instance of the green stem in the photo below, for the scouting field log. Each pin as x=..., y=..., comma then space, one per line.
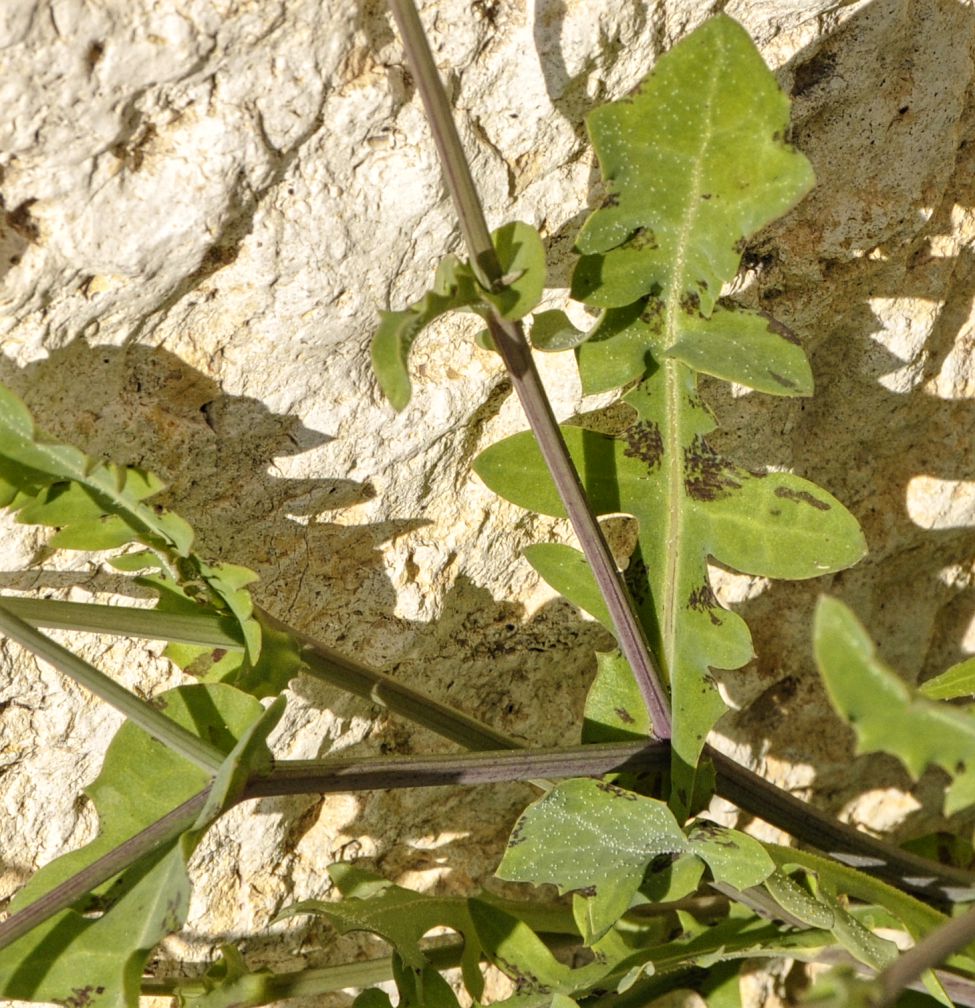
x=510, y=342
x=205, y=628
x=264, y=988
x=147, y=717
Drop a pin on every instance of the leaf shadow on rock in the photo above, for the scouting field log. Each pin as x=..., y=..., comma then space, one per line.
x=524, y=674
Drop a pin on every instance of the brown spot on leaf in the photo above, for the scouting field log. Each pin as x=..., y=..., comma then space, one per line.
x=703, y=599
x=643, y=441
x=613, y=199
x=624, y=715
x=615, y=792
x=642, y=238
x=773, y=325
x=801, y=497
x=705, y=195
x=653, y=314
x=636, y=580
x=707, y=476
x=690, y=302
x=782, y=380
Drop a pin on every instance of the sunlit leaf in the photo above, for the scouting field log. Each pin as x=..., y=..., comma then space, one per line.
x=953, y=684
x=886, y=714
x=694, y=161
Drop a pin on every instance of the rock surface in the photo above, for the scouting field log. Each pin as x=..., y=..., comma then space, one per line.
x=203, y=205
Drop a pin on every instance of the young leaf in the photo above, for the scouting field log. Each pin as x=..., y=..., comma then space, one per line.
x=694, y=162
x=453, y=287
x=552, y=331
x=885, y=713
x=72, y=956
x=522, y=258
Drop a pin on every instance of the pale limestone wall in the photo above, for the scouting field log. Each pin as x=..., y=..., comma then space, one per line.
x=205, y=203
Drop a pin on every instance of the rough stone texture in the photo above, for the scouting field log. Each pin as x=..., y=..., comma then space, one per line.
x=205, y=202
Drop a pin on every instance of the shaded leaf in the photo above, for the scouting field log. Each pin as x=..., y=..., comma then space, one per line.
x=615, y=710
x=101, y=959
x=97, y=505
x=885, y=713
x=522, y=257
x=400, y=916
x=552, y=331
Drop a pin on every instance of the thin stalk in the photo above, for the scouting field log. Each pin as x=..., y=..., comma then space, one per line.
x=370, y=684
x=205, y=628
x=119, y=858
x=147, y=717
x=264, y=988
x=510, y=342
x=846, y=844
x=326, y=776
x=735, y=783
x=337, y=775
x=931, y=951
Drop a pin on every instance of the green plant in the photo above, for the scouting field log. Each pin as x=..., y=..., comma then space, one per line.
x=657, y=891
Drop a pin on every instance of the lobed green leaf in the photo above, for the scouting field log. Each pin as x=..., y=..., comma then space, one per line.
x=694, y=162
x=885, y=713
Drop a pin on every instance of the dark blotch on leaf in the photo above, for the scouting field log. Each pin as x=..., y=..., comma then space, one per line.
x=635, y=577
x=781, y=380
x=773, y=325
x=613, y=199
x=653, y=314
x=642, y=238
x=690, y=303
x=643, y=441
x=702, y=599
x=803, y=497
x=615, y=792
x=588, y=892
x=624, y=715
x=708, y=476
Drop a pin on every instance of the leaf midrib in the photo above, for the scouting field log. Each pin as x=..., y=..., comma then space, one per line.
x=674, y=534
